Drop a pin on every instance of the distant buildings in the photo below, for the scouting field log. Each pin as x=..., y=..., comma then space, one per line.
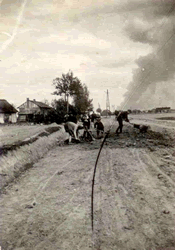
x=32, y=110
x=7, y=112
x=162, y=110
x=154, y=111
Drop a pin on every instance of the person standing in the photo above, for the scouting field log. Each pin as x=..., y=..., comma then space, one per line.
x=86, y=121
x=99, y=126
x=121, y=116
x=93, y=116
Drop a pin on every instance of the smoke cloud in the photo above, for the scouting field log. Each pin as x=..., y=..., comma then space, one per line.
x=153, y=79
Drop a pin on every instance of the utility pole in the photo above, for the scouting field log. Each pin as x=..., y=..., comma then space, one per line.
x=107, y=102
x=67, y=104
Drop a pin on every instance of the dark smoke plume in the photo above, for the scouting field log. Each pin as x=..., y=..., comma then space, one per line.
x=157, y=67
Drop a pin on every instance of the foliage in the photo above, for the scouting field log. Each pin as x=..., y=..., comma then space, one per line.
x=81, y=100
x=46, y=102
x=99, y=110
x=68, y=85
x=65, y=85
x=106, y=112
x=60, y=107
x=51, y=117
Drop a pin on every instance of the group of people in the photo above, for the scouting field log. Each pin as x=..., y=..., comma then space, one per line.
x=98, y=125
x=72, y=127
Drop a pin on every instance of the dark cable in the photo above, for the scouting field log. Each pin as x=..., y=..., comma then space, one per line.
x=93, y=180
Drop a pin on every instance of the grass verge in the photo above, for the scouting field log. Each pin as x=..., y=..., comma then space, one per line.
x=17, y=161
x=16, y=144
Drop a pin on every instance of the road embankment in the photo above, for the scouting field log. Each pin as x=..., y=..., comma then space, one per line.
x=21, y=156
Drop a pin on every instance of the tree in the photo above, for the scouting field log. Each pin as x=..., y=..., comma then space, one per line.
x=46, y=102
x=106, y=112
x=99, y=110
x=81, y=100
x=60, y=107
x=68, y=85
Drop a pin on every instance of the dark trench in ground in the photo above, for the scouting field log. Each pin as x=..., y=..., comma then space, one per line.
x=133, y=138
x=6, y=148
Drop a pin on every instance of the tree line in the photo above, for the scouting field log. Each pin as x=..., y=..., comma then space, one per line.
x=71, y=90
x=74, y=100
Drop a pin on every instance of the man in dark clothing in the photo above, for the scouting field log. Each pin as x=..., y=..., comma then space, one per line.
x=87, y=135
x=99, y=126
x=121, y=116
x=70, y=118
x=86, y=122
x=93, y=117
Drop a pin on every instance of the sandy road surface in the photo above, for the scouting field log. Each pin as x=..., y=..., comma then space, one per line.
x=49, y=206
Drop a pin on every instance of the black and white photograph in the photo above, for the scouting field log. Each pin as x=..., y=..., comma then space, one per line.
x=87, y=124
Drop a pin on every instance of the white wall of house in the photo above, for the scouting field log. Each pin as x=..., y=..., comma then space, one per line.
x=12, y=117
x=1, y=117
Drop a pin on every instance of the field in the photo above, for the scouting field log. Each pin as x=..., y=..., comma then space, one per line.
x=164, y=120
x=13, y=133
x=49, y=205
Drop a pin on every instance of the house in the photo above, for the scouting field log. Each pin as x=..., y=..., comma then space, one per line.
x=31, y=111
x=162, y=110
x=7, y=112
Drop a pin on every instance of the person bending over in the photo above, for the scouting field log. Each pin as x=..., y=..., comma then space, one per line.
x=72, y=129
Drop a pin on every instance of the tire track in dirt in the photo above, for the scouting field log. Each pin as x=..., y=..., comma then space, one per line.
x=124, y=221
x=127, y=218
x=131, y=212
x=87, y=180
x=71, y=211
x=70, y=208
x=114, y=225
x=159, y=200
x=129, y=202
x=151, y=161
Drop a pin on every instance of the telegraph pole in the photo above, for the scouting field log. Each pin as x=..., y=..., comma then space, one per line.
x=107, y=102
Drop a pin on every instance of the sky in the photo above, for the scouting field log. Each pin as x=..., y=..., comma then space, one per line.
x=126, y=47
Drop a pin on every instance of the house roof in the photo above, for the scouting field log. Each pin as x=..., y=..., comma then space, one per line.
x=6, y=107
x=42, y=105
x=39, y=104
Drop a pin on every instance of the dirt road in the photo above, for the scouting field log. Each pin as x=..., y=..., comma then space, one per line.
x=49, y=206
